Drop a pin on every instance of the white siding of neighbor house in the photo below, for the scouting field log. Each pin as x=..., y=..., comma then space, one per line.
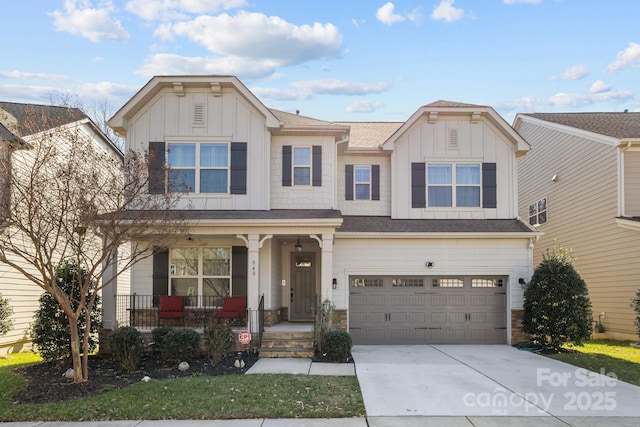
x=582, y=206
x=407, y=257
x=307, y=196
x=632, y=183
x=478, y=142
x=228, y=118
x=380, y=207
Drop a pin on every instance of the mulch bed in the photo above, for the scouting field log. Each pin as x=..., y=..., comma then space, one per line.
x=47, y=384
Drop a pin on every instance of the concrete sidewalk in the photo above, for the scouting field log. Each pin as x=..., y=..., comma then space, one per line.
x=301, y=367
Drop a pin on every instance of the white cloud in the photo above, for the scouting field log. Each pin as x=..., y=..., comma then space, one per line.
x=95, y=24
x=339, y=87
x=599, y=87
x=263, y=38
x=178, y=9
x=21, y=75
x=106, y=90
x=363, y=106
x=280, y=94
x=447, y=12
x=575, y=72
x=630, y=57
x=386, y=14
x=522, y=1
x=566, y=101
x=167, y=63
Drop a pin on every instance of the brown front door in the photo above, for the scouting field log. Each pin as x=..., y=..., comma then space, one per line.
x=303, y=286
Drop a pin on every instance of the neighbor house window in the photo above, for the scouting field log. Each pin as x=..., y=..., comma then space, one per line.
x=203, y=275
x=198, y=167
x=301, y=165
x=538, y=212
x=453, y=185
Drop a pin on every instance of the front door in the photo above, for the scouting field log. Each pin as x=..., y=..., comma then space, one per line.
x=303, y=286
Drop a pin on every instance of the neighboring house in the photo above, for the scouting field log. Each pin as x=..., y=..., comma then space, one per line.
x=23, y=294
x=409, y=229
x=580, y=185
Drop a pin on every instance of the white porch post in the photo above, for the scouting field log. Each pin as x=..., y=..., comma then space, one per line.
x=326, y=274
x=109, y=290
x=253, y=273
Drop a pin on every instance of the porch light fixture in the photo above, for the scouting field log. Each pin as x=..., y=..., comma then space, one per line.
x=334, y=282
x=298, y=246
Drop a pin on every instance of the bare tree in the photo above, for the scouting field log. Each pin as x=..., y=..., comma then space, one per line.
x=73, y=199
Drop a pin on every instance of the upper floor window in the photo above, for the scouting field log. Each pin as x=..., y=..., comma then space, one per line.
x=448, y=189
x=301, y=165
x=362, y=182
x=198, y=168
x=538, y=212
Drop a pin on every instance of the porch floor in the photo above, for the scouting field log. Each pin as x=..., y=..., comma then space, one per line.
x=290, y=327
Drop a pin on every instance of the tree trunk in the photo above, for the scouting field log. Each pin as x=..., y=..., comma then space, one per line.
x=79, y=375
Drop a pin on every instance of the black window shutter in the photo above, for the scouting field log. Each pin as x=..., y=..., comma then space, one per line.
x=156, y=167
x=418, y=183
x=238, y=183
x=239, y=263
x=375, y=182
x=489, y=186
x=286, y=166
x=160, y=275
x=317, y=166
x=348, y=182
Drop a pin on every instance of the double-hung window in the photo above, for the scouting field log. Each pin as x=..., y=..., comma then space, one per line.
x=203, y=274
x=453, y=185
x=538, y=212
x=198, y=167
x=301, y=165
x=362, y=182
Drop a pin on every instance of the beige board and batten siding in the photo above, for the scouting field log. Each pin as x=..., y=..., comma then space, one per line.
x=582, y=204
x=631, y=183
x=476, y=143
x=227, y=118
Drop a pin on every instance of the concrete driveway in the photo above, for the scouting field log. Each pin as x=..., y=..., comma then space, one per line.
x=486, y=381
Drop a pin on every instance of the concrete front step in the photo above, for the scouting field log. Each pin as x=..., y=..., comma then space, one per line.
x=280, y=352
x=287, y=343
x=269, y=336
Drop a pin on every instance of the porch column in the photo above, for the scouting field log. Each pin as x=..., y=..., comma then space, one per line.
x=109, y=290
x=326, y=273
x=253, y=273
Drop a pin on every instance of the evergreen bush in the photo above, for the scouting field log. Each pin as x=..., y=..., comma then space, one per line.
x=557, y=309
x=636, y=307
x=337, y=345
x=179, y=345
x=50, y=331
x=5, y=316
x=159, y=335
x=125, y=345
x=219, y=339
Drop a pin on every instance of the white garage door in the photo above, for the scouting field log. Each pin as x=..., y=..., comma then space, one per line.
x=428, y=310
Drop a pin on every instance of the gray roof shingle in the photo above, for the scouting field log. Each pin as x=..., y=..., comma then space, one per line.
x=375, y=224
x=239, y=215
x=33, y=118
x=370, y=134
x=616, y=125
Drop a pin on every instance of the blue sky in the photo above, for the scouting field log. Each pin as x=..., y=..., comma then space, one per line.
x=333, y=60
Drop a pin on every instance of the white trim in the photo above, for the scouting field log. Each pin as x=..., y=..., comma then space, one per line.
x=628, y=224
x=437, y=235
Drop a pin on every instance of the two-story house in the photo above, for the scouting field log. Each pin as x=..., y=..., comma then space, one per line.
x=409, y=229
x=580, y=185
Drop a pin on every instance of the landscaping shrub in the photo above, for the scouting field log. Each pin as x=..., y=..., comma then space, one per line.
x=180, y=345
x=5, y=316
x=158, y=336
x=325, y=320
x=125, y=344
x=636, y=307
x=219, y=338
x=50, y=330
x=557, y=308
x=337, y=345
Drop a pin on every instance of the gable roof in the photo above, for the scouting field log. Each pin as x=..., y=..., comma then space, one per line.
x=295, y=124
x=475, y=112
x=616, y=125
x=7, y=135
x=43, y=117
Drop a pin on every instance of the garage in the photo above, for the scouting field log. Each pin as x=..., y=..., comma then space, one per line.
x=428, y=310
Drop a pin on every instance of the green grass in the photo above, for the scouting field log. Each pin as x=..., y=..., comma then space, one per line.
x=221, y=397
x=617, y=357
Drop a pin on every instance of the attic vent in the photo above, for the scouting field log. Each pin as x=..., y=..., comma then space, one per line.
x=453, y=138
x=198, y=114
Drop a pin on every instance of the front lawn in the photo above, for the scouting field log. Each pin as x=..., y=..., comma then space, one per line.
x=198, y=397
x=616, y=357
